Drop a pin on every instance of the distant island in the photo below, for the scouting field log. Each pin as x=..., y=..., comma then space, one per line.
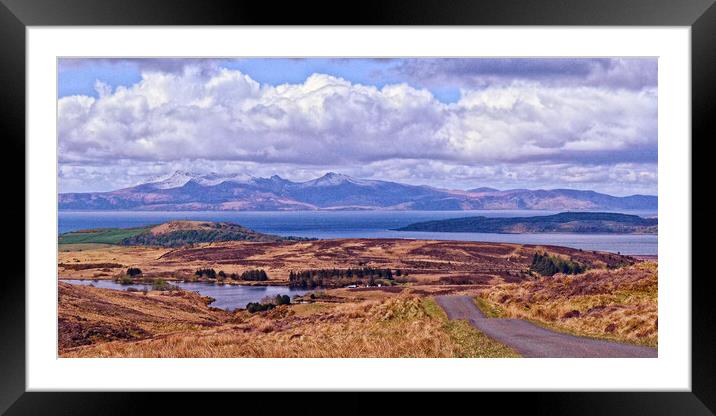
x=566, y=222
x=184, y=191
x=171, y=234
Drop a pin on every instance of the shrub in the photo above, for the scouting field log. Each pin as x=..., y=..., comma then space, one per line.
x=161, y=284
x=125, y=280
x=283, y=300
x=133, y=271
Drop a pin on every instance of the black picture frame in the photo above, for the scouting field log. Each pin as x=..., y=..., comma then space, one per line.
x=16, y=15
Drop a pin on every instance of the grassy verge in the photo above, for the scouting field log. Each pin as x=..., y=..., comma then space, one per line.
x=569, y=331
x=584, y=326
x=469, y=341
x=488, y=309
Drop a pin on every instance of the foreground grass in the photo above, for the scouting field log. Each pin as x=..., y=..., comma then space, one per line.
x=399, y=326
x=469, y=341
x=488, y=309
x=619, y=305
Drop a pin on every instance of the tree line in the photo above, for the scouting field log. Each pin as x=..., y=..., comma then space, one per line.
x=548, y=265
x=248, y=275
x=340, y=277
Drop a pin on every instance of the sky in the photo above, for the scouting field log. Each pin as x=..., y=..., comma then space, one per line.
x=458, y=123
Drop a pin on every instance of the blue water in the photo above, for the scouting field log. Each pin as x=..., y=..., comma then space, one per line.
x=227, y=297
x=365, y=224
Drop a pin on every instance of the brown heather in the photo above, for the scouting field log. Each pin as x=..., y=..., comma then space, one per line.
x=616, y=304
x=396, y=321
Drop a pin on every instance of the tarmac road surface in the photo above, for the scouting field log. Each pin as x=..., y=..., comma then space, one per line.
x=531, y=340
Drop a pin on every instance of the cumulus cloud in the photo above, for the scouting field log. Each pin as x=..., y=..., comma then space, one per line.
x=209, y=113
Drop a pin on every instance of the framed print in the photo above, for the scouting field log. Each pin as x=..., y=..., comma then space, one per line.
x=438, y=198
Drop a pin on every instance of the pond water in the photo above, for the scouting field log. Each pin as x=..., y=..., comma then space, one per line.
x=227, y=297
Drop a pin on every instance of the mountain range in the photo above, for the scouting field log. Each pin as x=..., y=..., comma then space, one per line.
x=184, y=191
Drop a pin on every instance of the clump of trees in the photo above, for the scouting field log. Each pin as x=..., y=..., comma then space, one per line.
x=548, y=265
x=254, y=307
x=268, y=304
x=258, y=275
x=207, y=273
x=249, y=275
x=133, y=272
x=339, y=277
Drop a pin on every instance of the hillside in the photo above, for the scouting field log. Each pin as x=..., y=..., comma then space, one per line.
x=89, y=315
x=566, y=222
x=170, y=234
x=333, y=191
x=619, y=304
x=439, y=262
x=97, y=322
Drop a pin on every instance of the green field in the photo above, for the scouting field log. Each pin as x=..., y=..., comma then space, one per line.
x=205, y=232
x=101, y=235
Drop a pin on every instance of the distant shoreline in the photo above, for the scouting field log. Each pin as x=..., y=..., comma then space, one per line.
x=562, y=223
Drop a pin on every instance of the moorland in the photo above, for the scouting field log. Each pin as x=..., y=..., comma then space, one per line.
x=367, y=298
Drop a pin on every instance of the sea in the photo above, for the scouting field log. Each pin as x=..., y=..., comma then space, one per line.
x=365, y=224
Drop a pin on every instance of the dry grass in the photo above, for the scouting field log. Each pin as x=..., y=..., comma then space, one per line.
x=396, y=326
x=611, y=304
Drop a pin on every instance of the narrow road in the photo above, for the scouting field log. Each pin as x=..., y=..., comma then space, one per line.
x=531, y=340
